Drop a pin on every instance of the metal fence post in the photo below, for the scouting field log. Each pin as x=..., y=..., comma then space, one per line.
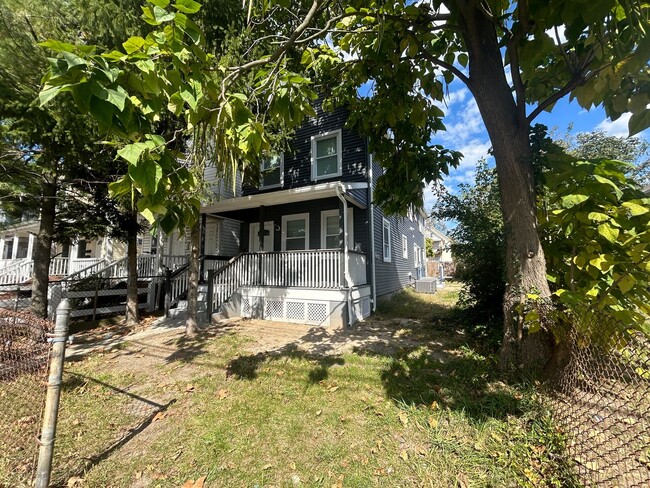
x=46, y=451
x=168, y=291
x=210, y=298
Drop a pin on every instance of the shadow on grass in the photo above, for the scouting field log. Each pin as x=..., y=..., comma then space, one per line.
x=247, y=367
x=467, y=383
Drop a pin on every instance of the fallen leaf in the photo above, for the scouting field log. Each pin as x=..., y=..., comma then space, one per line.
x=319, y=412
x=432, y=421
x=159, y=416
x=74, y=481
x=188, y=484
x=461, y=481
x=267, y=467
x=138, y=475
x=333, y=389
x=221, y=394
x=403, y=418
x=199, y=483
x=404, y=455
x=280, y=373
x=434, y=405
x=189, y=388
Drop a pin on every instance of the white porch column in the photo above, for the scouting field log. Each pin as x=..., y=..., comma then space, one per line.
x=107, y=249
x=14, y=249
x=30, y=246
x=74, y=250
x=2, y=248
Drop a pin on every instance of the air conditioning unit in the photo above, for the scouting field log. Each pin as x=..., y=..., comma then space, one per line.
x=425, y=285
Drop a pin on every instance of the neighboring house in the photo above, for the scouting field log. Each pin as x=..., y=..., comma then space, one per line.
x=441, y=246
x=313, y=248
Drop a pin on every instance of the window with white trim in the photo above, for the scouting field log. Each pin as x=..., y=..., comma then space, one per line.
x=326, y=155
x=330, y=229
x=272, y=171
x=386, y=240
x=295, y=232
x=416, y=256
x=405, y=247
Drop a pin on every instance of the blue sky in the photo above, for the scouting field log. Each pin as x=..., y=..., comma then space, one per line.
x=466, y=132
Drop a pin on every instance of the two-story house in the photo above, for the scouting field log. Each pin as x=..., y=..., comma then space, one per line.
x=313, y=248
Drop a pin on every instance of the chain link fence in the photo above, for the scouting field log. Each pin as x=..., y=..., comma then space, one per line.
x=601, y=400
x=24, y=358
x=15, y=297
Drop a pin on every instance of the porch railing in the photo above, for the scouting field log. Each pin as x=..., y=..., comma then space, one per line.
x=59, y=266
x=17, y=273
x=76, y=265
x=303, y=269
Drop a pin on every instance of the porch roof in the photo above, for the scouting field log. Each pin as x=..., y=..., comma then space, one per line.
x=300, y=194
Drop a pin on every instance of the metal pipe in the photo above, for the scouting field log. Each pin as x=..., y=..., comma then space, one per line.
x=346, y=263
x=48, y=431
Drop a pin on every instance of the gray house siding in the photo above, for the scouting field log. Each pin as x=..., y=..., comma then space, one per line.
x=394, y=275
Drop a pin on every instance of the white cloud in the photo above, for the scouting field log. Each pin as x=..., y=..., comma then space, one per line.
x=466, y=123
x=616, y=128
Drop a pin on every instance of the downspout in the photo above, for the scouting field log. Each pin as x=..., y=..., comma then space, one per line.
x=346, y=263
x=371, y=206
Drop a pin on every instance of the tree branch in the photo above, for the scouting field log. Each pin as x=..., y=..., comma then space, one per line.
x=439, y=62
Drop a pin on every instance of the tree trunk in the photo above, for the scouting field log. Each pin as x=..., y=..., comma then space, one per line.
x=132, y=315
x=42, y=251
x=191, y=324
x=508, y=131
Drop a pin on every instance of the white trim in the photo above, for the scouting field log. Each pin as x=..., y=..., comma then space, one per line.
x=339, y=153
x=405, y=247
x=386, y=255
x=323, y=227
x=287, y=218
x=351, y=228
x=254, y=244
x=277, y=185
x=293, y=195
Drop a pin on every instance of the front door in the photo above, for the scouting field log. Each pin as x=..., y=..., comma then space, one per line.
x=254, y=238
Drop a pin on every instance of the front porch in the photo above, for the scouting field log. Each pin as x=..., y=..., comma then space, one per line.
x=317, y=287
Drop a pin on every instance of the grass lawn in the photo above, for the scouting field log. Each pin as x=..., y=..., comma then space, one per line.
x=428, y=412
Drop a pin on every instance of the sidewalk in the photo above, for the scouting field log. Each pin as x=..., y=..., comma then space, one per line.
x=163, y=325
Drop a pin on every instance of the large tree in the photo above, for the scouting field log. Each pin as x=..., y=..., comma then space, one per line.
x=517, y=59
x=53, y=168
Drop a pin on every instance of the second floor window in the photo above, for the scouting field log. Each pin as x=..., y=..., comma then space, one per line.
x=326, y=155
x=271, y=171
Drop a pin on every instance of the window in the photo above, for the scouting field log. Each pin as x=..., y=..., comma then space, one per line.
x=386, y=240
x=272, y=171
x=326, y=155
x=330, y=229
x=405, y=247
x=295, y=232
x=416, y=255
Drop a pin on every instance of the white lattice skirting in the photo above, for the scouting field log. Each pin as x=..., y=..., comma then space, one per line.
x=304, y=306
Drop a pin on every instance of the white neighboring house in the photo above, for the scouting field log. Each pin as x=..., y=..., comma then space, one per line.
x=441, y=246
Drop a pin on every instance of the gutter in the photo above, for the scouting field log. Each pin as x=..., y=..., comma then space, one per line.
x=371, y=206
x=346, y=263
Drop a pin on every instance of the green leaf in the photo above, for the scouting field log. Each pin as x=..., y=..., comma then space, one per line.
x=161, y=15
x=597, y=216
x=132, y=152
x=608, y=232
x=133, y=44
x=159, y=3
x=146, y=175
x=569, y=201
x=187, y=6
x=638, y=122
x=55, y=45
x=627, y=283
x=48, y=94
x=120, y=187
x=635, y=209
